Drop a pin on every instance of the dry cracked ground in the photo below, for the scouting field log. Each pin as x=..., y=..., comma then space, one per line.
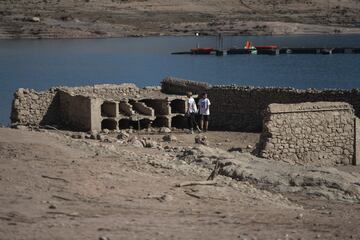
x=117, y=18
x=61, y=185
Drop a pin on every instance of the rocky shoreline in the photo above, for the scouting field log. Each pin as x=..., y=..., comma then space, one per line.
x=106, y=19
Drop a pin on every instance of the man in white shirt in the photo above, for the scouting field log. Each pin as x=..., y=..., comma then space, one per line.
x=204, y=106
x=191, y=112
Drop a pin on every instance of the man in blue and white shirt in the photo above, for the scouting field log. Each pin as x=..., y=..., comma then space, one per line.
x=204, y=106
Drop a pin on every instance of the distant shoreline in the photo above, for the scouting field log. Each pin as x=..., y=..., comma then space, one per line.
x=172, y=35
x=90, y=19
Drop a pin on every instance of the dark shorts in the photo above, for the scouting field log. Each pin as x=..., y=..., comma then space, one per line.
x=205, y=117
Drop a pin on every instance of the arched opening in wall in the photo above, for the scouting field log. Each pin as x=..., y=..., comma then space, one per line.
x=161, y=122
x=108, y=109
x=124, y=123
x=178, y=106
x=108, y=124
x=179, y=121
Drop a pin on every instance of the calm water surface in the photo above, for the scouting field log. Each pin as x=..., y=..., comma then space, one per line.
x=41, y=64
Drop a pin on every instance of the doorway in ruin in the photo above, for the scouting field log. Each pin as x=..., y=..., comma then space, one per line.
x=110, y=124
x=179, y=121
x=178, y=106
x=108, y=109
x=161, y=122
x=141, y=124
x=125, y=123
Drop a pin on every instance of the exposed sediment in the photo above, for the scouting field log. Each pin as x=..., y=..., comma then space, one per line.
x=111, y=18
x=325, y=182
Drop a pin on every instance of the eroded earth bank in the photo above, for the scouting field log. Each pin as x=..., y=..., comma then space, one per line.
x=123, y=185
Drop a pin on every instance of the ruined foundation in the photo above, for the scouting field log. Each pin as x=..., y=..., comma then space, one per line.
x=316, y=133
x=94, y=108
x=320, y=133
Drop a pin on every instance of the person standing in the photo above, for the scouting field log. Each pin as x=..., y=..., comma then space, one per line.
x=204, y=106
x=191, y=112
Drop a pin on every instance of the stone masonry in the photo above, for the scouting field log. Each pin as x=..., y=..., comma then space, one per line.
x=99, y=107
x=320, y=133
x=240, y=108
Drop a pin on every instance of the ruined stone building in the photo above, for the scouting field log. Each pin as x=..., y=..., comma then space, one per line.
x=233, y=108
x=99, y=107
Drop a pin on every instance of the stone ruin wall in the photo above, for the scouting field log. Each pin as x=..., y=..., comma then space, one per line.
x=31, y=107
x=233, y=108
x=171, y=85
x=102, y=106
x=321, y=133
x=239, y=108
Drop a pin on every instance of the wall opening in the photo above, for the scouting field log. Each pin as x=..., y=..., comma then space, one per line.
x=124, y=123
x=179, y=121
x=161, y=122
x=160, y=106
x=145, y=123
x=125, y=108
x=108, y=109
x=108, y=124
x=178, y=106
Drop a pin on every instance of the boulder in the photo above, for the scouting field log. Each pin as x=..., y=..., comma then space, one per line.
x=135, y=142
x=123, y=135
x=169, y=138
x=165, y=130
x=80, y=135
x=201, y=139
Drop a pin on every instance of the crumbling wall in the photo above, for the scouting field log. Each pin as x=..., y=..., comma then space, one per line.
x=75, y=111
x=107, y=91
x=320, y=133
x=241, y=108
x=31, y=107
x=171, y=85
x=35, y=108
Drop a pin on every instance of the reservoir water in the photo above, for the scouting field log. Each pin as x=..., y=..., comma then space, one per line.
x=41, y=64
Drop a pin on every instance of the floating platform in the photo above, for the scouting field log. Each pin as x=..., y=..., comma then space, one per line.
x=277, y=51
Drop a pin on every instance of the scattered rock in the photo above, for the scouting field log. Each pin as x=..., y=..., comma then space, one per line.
x=169, y=138
x=52, y=206
x=166, y=198
x=106, y=131
x=135, y=142
x=236, y=149
x=78, y=135
x=93, y=134
x=100, y=137
x=249, y=146
x=104, y=238
x=123, y=135
x=300, y=216
x=148, y=143
x=201, y=139
x=165, y=130
x=21, y=127
x=32, y=19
